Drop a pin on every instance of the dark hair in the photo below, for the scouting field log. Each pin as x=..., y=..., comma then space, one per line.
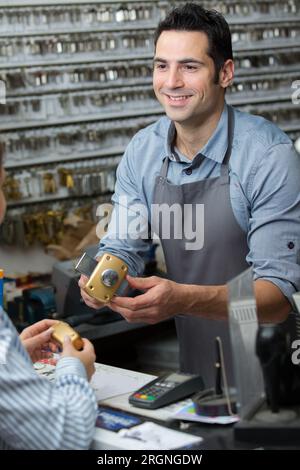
x=193, y=17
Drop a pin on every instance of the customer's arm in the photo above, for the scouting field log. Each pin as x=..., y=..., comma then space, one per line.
x=39, y=414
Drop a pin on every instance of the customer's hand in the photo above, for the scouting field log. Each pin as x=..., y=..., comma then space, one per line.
x=87, y=355
x=88, y=300
x=37, y=340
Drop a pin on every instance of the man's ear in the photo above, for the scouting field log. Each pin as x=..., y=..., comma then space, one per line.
x=226, y=74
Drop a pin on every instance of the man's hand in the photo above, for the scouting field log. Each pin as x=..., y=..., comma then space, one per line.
x=87, y=355
x=162, y=299
x=36, y=339
x=88, y=300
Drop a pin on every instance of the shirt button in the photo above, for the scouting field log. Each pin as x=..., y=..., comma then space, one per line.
x=291, y=245
x=188, y=171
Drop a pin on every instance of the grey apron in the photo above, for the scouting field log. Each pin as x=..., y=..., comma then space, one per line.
x=222, y=257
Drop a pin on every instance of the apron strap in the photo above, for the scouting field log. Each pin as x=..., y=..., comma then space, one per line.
x=164, y=168
x=225, y=163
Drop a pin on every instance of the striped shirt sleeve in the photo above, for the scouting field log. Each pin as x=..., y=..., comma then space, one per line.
x=36, y=413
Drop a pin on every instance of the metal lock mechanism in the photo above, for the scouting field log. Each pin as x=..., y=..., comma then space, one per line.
x=109, y=277
x=61, y=329
x=105, y=276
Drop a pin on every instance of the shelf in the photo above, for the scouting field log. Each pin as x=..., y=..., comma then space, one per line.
x=126, y=26
x=268, y=45
x=80, y=59
x=41, y=3
x=47, y=199
x=138, y=25
x=291, y=127
x=239, y=49
x=122, y=88
x=116, y=151
x=29, y=3
x=264, y=20
x=15, y=126
x=81, y=87
x=258, y=97
x=280, y=70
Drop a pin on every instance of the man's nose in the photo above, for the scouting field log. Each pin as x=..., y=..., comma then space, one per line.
x=174, y=78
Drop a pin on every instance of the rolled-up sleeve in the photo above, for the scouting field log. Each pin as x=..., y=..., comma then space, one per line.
x=274, y=222
x=128, y=228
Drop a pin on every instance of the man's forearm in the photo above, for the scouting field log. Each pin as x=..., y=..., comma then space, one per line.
x=211, y=302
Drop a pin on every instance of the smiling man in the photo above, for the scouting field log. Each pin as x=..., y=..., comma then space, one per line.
x=241, y=170
x=185, y=85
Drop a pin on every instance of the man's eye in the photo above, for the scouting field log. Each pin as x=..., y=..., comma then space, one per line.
x=160, y=66
x=190, y=67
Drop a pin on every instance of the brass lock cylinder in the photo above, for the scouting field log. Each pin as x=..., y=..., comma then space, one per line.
x=106, y=278
x=62, y=329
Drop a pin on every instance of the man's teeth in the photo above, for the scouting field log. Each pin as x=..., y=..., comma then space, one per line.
x=178, y=98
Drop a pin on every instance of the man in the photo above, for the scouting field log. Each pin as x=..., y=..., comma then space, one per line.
x=239, y=171
x=36, y=413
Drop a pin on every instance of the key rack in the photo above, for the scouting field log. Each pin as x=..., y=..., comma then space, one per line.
x=78, y=87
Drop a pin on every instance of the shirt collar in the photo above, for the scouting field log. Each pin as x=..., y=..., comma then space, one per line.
x=214, y=149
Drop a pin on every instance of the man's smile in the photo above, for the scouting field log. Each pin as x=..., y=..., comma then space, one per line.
x=177, y=99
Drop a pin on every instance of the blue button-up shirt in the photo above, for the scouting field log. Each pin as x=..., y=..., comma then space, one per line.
x=264, y=190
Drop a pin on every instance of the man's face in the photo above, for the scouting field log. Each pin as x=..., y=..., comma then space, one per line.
x=2, y=198
x=183, y=77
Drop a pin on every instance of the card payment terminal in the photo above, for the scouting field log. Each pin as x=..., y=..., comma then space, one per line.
x=166, y=389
